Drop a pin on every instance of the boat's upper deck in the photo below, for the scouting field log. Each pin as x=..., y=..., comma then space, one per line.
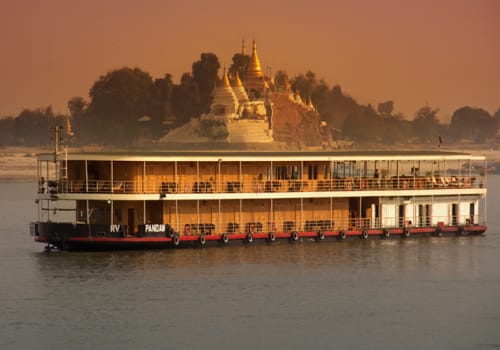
x=256, y=156
x=254, y=172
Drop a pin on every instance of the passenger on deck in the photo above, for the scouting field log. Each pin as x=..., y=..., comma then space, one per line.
x=376, y=176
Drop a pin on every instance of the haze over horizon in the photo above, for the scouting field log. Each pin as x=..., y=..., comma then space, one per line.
x=444, y=53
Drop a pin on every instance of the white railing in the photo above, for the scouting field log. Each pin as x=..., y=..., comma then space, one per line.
x=256, y=186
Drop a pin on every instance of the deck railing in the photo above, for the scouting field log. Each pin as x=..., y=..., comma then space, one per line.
x=320, y=224
x=258, y=186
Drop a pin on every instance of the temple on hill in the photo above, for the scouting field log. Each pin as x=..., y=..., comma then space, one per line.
x=243, y=106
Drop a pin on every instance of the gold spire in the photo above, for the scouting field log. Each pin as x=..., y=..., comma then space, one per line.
x=225, y=80
x=237, y=81
x=254, y=69
x=243, y=51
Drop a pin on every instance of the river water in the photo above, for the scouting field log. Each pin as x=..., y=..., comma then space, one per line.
x=421, y=293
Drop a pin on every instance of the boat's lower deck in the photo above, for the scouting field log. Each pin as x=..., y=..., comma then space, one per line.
x=69, y=237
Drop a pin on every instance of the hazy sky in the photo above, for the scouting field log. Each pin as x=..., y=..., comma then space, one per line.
x=442, y=52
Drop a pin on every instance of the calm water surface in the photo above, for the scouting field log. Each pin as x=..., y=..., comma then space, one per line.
x=430, y=293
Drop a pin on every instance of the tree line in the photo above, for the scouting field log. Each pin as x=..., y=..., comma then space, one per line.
x=128, y=102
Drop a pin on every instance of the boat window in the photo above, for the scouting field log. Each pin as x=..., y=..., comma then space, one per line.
x=312, y=172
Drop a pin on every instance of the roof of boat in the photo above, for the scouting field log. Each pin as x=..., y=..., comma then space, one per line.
x=260, y=155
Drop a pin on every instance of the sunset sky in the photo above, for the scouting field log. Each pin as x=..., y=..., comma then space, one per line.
x=442, y=52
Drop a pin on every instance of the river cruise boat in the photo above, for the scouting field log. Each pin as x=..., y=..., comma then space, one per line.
x=96, y=201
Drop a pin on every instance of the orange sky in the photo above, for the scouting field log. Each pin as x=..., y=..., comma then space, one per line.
x=442, y=52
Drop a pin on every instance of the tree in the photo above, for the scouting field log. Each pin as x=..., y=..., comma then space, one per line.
x=386, y=108
x=78, y=110
x=161, y=99
x=240, y=65
x=7, y=131
x=117, y=100
x=33, y=127
x=204, y=73
x=364, y=124
x=497, y=117
x=185, y=98
x=473, y=124
x=304, y=84
x=426, y=124
x=280, y=79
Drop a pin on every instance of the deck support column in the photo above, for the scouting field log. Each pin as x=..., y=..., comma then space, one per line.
x=360, y=215
x=301, y=212
x=144, y=177
x=87, y=214
x=177, y=215
x=111, y=177
x=331, y=213
x=241, y=214
x=272, y=216
x=175, y=178
x=86, y=176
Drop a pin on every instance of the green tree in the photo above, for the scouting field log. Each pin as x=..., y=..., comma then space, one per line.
x=364, y=125
x=426, y=124
x=33, y=127
x=117, y=100
x=473, y=124
x=240, y=65
x=161, y=99
x=204, y=73
x=77, y=107
x=304, y=84
x=185, y=97
x=497, y=117
x=386, y=108
x=280, y=79
x=7, y=131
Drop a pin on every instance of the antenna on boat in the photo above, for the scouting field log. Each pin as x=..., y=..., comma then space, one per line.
x=57, y=138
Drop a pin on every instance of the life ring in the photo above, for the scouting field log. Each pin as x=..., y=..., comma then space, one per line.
x=386, y=233
x=321, y=235
x=187, y=229
x=342, y=234
x=249, y=237
x=364, y=234
x=294, y=236
x=225, y=238
x=406, y=232
x=176, y=240
x=272, y=237
x=202, y=240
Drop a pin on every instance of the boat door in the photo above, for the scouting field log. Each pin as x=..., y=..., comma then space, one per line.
x=454, y=214
x=401, y=215
x=472, y=213
x=131, y=220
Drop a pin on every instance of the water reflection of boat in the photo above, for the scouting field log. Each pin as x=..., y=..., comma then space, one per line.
x=170, y=199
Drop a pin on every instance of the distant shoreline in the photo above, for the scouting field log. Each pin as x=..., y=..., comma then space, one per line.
x=18, y=164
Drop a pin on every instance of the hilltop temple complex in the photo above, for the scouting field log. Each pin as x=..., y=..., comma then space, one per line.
x=251, y=110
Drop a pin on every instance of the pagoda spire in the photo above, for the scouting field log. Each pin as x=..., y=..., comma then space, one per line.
x=237, y=80
x=225, y=79
x=254, y=68
x=243, y=51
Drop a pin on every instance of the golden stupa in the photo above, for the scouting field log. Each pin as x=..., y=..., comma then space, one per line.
x=254, y=80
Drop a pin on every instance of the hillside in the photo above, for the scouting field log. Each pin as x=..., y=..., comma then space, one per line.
x=293, y=124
